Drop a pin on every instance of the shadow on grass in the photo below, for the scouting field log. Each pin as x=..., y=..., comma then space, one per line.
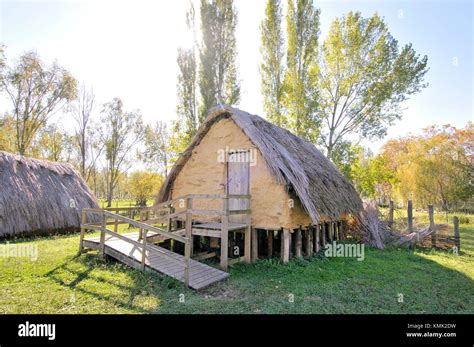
x=141, y=282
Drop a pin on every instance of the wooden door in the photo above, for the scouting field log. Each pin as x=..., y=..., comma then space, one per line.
x=238, y=182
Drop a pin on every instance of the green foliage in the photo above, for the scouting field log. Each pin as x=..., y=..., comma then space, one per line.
x=158, y=152
x=435, y=167
x=52, y=144
x=364, y=77
x=36, y=91
x=272, y=67
x=218, y=81
x=7, y=133
x=186, y=125
x=119, y=133
x=371, y=176
x=143, y=184
x=300, y=85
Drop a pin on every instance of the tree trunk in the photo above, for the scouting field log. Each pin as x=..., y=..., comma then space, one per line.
x=110, y=194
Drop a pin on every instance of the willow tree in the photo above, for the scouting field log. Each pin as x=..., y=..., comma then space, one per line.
x=364, y=78
x=218, y=81
x=301, y=93
x=272, y=68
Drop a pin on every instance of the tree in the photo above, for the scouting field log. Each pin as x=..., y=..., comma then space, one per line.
x=218, y=82
x=81, y=112
x=51, y=144
x=7, y=133
x=120, y=132
x=434, y=167
x=272, y=68
x=36, y=92
x=364, y=78
x=301, y=95
x=186, y=125
x=143, y=184
x=371, y=176
x=157, y=153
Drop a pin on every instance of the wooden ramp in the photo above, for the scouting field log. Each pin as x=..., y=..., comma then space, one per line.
x=160, y=260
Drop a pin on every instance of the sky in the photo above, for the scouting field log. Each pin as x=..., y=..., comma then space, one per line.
x=128, y=49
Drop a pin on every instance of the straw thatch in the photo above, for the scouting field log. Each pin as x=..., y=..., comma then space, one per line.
x=321, y=187
x=40, y=196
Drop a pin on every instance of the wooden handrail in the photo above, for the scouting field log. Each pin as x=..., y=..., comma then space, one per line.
x=142, y=225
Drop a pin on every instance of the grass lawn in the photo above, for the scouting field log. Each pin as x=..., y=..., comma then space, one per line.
x=60, y=282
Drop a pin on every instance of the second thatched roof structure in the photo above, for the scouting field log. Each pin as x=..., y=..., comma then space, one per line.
x=294, y=162
x=40, y=196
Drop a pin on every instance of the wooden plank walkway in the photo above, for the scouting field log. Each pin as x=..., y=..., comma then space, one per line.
x=162, y=260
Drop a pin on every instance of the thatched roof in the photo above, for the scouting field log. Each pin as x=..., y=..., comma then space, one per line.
x=320, y=186
x=39, y=195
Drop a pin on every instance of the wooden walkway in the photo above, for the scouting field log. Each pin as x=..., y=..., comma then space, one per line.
x=161, y=260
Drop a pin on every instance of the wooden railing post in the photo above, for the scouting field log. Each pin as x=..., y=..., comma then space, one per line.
x=432, y=225
x=390, y=213
x=144, y=242
x=102, y=237
x=140, y=231
x=410, y=216
x=224, y=234
x=116, y=224
x=189, y=223
x=457, y=238
x=187, y=256
x=83, y=230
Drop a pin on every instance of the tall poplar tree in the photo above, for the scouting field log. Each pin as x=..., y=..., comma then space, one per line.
x=186, y=125
x=272, y=68
x=301, y=92
x=218, y=81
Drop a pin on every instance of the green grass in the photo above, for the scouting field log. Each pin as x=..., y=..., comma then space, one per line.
x=60, y=282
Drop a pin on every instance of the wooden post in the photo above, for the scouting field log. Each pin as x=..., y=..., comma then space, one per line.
x=116, y=225
x=83, y=231
x=317, y=232
x=247, y=240
x=323, y=233
x=225, y=235
x=298, y=243
x=102, y=237
x=285, y=250
x=269, y=243
x=390, y=213
x=140, y=231
x=432, y=225
x=309, y=242
x=187, y=256
x=410, y=216
x=144, y=249
x=457, y=238
x=254, y=244
x=189, y=224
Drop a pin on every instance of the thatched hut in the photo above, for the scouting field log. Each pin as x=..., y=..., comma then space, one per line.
x=38, y=196
x=291, y=183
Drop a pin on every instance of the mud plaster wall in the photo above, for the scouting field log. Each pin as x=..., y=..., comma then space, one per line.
x=204, y=174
